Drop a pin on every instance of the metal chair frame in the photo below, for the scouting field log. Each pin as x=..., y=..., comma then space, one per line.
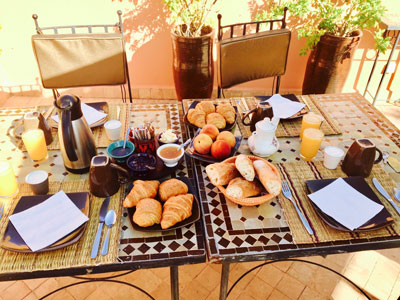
x=258, y=24
x=73, y=28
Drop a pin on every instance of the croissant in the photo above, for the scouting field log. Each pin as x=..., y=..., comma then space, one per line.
x=148, y=212
x=207, y=106
x=176, y=209
x=196, y=117
x=227, y=111
x=216, y=119
x=172, y=187
x=141, y=189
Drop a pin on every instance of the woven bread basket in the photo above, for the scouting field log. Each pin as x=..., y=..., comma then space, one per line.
x=251, y=201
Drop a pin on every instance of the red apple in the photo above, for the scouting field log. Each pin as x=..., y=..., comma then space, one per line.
x=220, y=149
x=202, y=143
x=211, y=130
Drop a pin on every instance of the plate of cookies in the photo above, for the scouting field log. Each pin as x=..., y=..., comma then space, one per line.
x=245, y=180
x=211, y=145
x=154, y=206
x=200, y=113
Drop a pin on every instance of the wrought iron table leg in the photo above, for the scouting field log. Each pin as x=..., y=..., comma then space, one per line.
x=173, y=274
x=224, y=281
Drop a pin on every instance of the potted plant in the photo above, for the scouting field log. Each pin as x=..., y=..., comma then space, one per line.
x=333, y=29
x=192, y=44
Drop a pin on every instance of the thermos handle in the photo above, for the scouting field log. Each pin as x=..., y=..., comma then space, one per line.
x=379, y=157
x=67, y=134
x=246, y=115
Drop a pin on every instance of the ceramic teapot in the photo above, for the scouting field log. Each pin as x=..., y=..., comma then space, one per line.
x=263, y=141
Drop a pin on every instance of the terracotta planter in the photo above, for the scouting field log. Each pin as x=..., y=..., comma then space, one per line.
x=193, y=66
x=329, y=64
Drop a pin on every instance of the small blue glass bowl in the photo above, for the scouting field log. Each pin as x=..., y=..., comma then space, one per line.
x=120, y=157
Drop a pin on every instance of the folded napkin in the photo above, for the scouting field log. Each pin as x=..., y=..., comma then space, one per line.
x=345, y=204
x=49, y=221
x=91, y=114
x=284, y=108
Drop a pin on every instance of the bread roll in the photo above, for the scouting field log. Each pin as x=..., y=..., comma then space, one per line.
x=207, y=106
x=245, y=167
x=221, y=173
x=216, y=119
x=241, y=188
x=172, y=187
x=267, y=177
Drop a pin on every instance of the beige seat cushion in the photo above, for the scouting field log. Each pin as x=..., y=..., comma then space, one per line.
x=72, y=60
x=254, y=56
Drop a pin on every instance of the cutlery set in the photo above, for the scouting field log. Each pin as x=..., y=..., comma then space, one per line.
x=109, y=219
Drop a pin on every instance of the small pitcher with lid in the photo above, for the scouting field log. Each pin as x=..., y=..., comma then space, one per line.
x=263, y=141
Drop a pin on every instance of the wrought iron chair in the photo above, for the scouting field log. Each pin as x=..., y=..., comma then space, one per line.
x=75, y=59
x=251, y=56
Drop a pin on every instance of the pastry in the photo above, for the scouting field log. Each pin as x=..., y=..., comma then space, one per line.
x=196, y=117
x=221, y=173
x=241, y=188
x=141, y=189
x=216, y=119
x=176, y=209
x=267, y=177
x=227, y=111
x=245, y=167
x=172, y=187
x=207, y=106
x=148, y=212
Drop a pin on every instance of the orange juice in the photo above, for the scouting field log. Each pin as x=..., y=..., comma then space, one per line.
x=310, y=143
x=310, y=120
x=8, y=182
x=35, y=144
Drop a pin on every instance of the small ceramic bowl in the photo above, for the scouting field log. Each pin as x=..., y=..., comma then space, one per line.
x=160, y=143
x=120, y=157
x=169, y=162
x=141, y=163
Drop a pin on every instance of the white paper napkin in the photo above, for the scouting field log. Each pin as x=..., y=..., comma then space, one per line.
x=345, y=204
x=284, y=108
x=49, y=221
x=91, y=114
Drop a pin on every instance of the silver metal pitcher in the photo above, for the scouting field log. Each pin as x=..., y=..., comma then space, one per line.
x=75, y=137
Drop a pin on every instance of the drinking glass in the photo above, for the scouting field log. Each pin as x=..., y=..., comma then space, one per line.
x=8, y=182
x=310, y=120
x=35, y=144
x=310, y=143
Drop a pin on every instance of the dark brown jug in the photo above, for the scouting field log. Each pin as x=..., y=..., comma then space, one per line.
x=263, y=110
x=360, y=158
x=103, y=176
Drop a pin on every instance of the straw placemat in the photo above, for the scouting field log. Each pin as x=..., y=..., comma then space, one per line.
x=287, y=128
x=99, y=133
x=76, y=255
x=297, y=173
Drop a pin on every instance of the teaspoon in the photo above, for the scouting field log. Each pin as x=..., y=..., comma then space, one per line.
x=109, y=221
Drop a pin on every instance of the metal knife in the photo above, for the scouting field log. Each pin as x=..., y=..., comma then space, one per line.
x=385, y=194
x=102, y=214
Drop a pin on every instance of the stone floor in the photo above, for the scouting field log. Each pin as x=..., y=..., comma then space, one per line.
x=377, y=272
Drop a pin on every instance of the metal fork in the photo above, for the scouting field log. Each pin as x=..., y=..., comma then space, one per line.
x=288, y=194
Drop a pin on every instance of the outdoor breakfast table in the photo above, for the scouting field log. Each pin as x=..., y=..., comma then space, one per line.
x=273, y=230
x=129, y=249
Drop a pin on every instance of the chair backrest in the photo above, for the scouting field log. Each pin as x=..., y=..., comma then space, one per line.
x=252, y=56
x=74, y=59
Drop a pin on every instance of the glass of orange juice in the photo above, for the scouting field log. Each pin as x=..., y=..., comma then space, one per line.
x=35, y=144
x=310, y=143
x=8, y=182
x=310, y=120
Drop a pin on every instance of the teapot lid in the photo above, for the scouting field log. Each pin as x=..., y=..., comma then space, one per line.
x=267, y=124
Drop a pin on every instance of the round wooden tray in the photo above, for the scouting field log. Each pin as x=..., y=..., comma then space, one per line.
x=251, y=201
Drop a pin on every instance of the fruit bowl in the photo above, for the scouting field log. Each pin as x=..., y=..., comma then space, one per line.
x=250, y=201
x=208, y=158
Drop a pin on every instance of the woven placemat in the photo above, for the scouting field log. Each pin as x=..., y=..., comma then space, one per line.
x=287, y=128
x=76, y=255
x=99, y=133
x=296, y=174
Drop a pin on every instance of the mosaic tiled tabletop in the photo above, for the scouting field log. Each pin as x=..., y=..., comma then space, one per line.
x=235, y=231
x=184, y=245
